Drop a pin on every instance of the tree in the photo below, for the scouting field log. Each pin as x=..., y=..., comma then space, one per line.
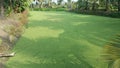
x=59, y=2
x=95, y=4
x=69, y=4
x=79, y=4
x=49, y=3
x=12, y=5
x=86, y=5
x=118, y=5
x=2, y=8
x=41, y=3
x=107, y=7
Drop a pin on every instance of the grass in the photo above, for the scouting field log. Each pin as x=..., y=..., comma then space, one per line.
x=63, y=40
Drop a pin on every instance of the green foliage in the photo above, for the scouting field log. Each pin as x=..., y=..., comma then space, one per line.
x=15, y=5
x=59, y=2
x=112, y=52
x=99, y=13
x=81, y=3
x=49, y=9
x=98, y=8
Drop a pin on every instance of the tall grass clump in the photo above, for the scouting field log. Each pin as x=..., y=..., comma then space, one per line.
x=112, y=52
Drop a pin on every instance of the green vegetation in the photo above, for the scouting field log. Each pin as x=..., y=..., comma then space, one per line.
x=13, y=18
x=49, y=9
x=12, y=6
x=111, y=50
x=109, y=8
x=60, y=39
x=64, y=40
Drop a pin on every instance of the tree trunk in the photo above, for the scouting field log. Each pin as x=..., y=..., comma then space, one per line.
x=1, y=8
x=69, y=4
x=119, y=5
x=86, y=6
x=49, y=3
x=107, y=5
x=10, y=3
x=41, y=4
x=93, y=6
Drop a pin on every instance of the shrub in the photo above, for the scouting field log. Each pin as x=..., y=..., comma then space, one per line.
x=24, y=17
x=13, y=28
x=49, y=9
x=100, y=13
x=111, y=52
x=4, y=47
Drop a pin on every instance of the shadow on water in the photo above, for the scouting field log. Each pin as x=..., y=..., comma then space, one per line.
x=61, y=42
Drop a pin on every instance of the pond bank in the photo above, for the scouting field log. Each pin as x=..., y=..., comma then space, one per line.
x=11, y=29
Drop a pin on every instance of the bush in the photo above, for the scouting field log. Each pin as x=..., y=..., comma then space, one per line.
x=24, y=17
x=111, y=52
x=100, y=13
x=13, y=30
x=115, y=14
x=49, y=9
